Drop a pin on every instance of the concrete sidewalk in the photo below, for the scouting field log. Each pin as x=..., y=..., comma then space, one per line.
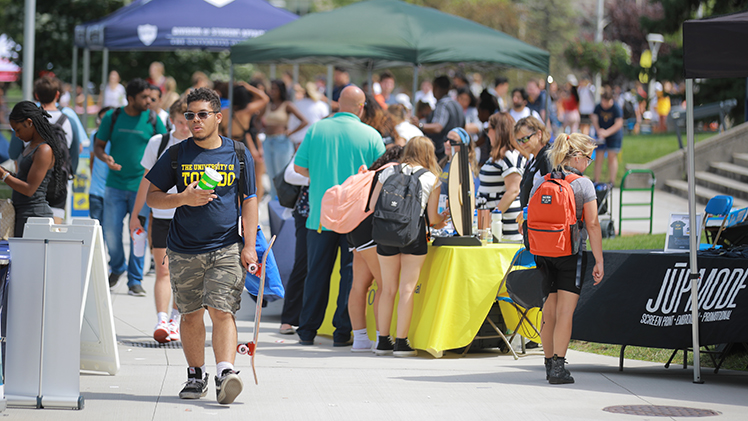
x=325, y=383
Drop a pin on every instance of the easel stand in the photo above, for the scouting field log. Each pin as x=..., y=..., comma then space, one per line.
x=466, y=201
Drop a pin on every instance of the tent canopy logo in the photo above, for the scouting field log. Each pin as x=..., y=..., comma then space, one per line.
x=219, y=3
x=147, y=34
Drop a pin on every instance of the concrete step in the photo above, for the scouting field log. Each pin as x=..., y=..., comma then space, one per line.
x=723, y=185
x=703, y=194
x=731, y=171
x=740, y=159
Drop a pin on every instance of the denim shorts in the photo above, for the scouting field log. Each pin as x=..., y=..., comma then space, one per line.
x=612, y=144
x=214, y=279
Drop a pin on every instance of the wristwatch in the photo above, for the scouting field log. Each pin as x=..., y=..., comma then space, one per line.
x=5, y=175
x=420, y=125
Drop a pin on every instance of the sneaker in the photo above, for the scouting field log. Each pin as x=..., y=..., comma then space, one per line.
x=113, y=279
x=403, y=349
x=559, y=373
x=228, y=386
x=174, y=330
x=384, y=346
x=161, y=333
x=196, y=386
x=136, y=290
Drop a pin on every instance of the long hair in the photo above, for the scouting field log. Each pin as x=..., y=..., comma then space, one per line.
x=392, y=154
x=420, y=151
x=566, y=146
x=282, y=92
x=28, y=110
x=503, y=126
x=533, y=124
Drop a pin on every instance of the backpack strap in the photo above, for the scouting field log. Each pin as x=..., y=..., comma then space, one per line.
x=60, y=121
x=162, y=146
x=152, y=120
x=174, y=156
x=115, y=115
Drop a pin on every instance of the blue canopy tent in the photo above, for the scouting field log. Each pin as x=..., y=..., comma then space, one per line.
x=168, y=25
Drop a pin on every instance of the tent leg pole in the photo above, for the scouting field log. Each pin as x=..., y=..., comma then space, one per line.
x=329, y=86
x=415, y=87
x=295, y=75
x=104, y=74
x=74, y=80
x=369, y=72
x=695, y=232
x=84, y=83
x=231, y=99
x=272, y=72
x=29, y=32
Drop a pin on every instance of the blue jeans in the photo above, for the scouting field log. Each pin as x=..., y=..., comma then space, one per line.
x=278, y=153
x=117, y=204
x=96, y=210
x=322, y=249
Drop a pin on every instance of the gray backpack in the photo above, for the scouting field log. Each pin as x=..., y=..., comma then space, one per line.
x=398, y=211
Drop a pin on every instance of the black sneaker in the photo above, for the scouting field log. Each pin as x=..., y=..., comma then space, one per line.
x=196, y=386
x=384, y=346
x=403, y=349
x=113, y=279
x=559, y=373
x=228, y=386
x=136, y=290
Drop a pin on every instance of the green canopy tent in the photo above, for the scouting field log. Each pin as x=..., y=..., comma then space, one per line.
x=388, y=33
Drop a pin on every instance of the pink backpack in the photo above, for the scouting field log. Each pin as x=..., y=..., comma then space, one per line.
x=346, y=205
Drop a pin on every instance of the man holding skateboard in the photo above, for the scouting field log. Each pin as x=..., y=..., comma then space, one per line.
x=208, y=257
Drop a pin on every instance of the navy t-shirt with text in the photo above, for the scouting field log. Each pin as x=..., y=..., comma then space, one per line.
x=606, y=119
x=202, y=229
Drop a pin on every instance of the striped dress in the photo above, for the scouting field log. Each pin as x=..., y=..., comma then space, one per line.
x=492, y=188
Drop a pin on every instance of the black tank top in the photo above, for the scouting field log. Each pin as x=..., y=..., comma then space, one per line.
x=23, y=202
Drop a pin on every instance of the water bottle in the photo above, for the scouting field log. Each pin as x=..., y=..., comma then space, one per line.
x=475, y=222
x=496, y=228
x=138, y=242
x=524, y=213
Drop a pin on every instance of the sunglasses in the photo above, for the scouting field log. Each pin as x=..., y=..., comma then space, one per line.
x=202, y=115
x=589, y=158
x=525, y=139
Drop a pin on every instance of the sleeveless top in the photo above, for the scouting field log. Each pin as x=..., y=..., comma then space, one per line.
x=279, y=117
x=36, y=204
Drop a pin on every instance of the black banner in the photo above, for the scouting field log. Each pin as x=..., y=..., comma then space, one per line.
x=645, y=300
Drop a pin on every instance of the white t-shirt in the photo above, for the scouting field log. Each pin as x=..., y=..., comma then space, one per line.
x=66, y=126
x=408, y=131
x=313, y=111
x=526, y=112
x=428, y=181
x=149, y=159
x=116, y=97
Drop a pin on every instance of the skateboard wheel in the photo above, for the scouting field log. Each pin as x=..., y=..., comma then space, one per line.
x=242, y=349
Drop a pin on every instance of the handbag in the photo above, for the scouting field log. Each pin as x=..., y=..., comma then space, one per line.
x=7, y=219
x=287, y=193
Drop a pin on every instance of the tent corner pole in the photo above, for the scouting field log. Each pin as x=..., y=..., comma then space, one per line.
x=74, y=80
x=695, y=234
x=329, y=86
x=369, y=72
x=29, y=33
x=272, y=71
x=231, y=99
x=415, y=86
x=104, y=73
x=295, y=74
x=84, y=83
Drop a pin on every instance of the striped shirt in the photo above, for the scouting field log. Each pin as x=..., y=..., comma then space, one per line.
x=492, y=187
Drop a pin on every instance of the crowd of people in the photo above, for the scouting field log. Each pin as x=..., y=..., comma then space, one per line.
x=152, y=146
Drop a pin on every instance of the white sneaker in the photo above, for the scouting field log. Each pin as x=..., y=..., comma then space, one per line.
x=173, y=330
x=161, y=332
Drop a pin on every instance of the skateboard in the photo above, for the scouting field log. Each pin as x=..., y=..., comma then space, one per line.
x=250, y=347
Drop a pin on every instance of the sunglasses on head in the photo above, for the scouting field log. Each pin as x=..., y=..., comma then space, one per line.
x=525, y=139
x=202, y=115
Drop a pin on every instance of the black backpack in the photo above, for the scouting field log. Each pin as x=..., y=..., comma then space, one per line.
x=628, y=110
x=74, y=148
x=398, y=211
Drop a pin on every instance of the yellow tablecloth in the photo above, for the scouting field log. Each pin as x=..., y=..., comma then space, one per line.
x=456, y=289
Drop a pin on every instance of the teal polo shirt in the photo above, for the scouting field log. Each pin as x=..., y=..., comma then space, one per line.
x=333, y=150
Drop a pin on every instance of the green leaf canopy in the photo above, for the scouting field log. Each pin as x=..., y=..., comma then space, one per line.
x=388, y=33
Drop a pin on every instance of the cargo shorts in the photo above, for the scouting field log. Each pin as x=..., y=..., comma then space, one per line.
x=214, y=279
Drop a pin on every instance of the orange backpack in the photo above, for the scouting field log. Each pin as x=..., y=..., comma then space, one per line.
x=346, y=205
x=552, y=226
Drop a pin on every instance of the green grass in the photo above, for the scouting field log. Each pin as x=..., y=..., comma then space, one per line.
x=640, y=149
x=635, y=242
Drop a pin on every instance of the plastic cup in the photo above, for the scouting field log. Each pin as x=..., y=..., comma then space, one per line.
x=209, y=180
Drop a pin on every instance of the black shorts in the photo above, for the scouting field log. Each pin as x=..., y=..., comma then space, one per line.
x=585, y=119
x=416, y=248
x=561, y=273
x=159, y=232
x=360, y=238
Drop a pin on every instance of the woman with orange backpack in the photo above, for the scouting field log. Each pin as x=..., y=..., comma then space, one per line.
x=564, y=269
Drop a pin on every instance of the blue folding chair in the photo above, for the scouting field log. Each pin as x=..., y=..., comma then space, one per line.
x=717, y=206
